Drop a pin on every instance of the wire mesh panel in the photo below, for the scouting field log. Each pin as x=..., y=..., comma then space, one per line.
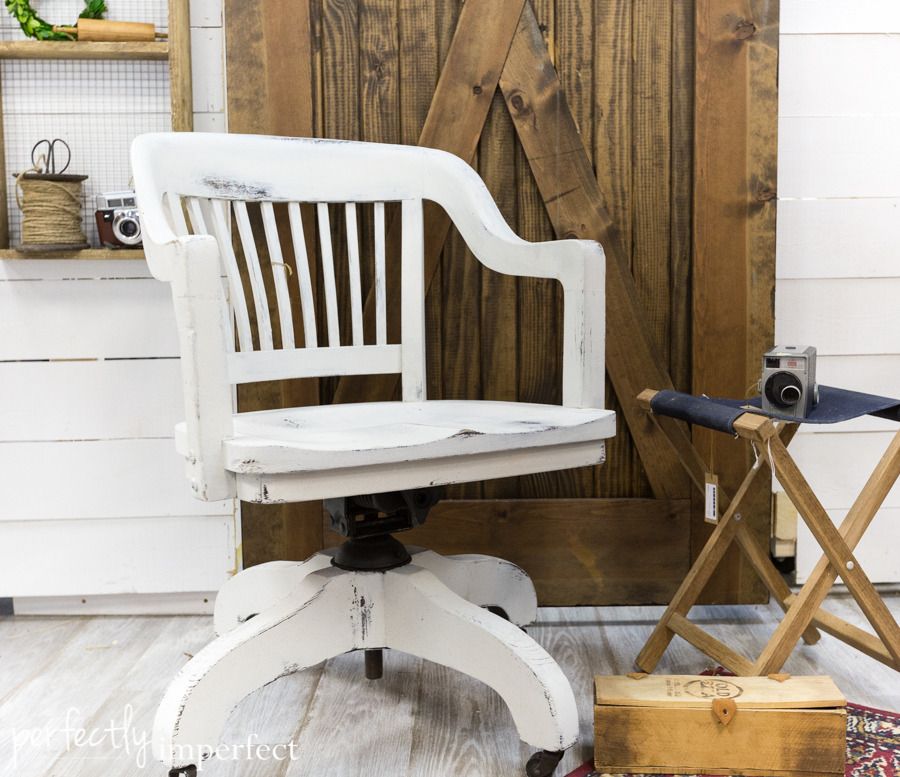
x=96, y=106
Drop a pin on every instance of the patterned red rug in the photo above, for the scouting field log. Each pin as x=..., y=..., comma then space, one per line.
x=873, y=745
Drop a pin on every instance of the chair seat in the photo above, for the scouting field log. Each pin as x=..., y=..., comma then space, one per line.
x=346, y=436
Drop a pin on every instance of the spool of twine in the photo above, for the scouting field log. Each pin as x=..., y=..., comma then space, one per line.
x=51, y=210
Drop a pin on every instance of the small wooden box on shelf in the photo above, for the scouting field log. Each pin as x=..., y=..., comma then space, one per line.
x=176, y=50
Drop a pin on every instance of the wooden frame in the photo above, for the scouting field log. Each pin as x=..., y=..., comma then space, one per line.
x=176, y=50
x=803, y=612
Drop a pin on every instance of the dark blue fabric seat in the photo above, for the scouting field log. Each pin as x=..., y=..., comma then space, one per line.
x=835, y=405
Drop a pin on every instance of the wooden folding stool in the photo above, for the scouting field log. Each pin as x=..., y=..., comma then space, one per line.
x=803, y=611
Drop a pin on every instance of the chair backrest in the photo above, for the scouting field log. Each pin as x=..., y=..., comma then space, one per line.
x=219, y=184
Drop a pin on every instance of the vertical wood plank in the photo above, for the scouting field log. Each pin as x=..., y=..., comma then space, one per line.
x=341, y=118
x=734, y=211
x=623, y=474
x=573, y=42
x=181, y=93
x=682, y=167
x=269, y=73
x=379, y=88
x=539, y=300
x=379, y=96
x=499, y=293
x=575, y=33
x=651, y=134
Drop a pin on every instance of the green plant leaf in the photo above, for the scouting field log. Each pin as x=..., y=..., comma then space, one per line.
x=35, y=27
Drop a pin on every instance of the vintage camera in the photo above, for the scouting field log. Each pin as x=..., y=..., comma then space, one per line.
x=788, y=383
x=118, y=223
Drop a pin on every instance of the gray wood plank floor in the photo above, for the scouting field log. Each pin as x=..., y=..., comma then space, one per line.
x=105, y=675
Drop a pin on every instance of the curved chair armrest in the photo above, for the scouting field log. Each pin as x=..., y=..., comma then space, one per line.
x=580, y=266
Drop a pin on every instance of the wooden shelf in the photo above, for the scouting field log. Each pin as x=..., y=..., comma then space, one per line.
x=50, y=49
x=86, y=253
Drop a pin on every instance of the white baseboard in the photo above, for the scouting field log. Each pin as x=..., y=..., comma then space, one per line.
x=190, y=603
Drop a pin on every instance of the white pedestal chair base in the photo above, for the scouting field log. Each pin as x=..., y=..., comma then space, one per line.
x=281, y=617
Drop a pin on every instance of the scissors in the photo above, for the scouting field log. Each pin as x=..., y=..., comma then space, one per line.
x=43, y=156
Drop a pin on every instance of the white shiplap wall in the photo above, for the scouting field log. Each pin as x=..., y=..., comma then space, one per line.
x=94, y=501
x=838, y=259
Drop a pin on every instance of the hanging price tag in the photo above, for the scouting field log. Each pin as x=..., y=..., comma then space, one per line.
x=711, y=510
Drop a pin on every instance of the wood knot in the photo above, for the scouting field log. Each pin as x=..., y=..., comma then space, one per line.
x=477, y=89
x=745, y=29
x=765, y=194
x=518, y=104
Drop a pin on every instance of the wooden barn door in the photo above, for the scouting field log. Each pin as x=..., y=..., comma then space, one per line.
x=580, y=115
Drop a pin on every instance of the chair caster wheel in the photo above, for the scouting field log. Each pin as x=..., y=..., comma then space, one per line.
x=187, y=771
x=543, y=763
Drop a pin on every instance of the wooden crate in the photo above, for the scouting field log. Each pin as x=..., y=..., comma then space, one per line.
x=658, y=724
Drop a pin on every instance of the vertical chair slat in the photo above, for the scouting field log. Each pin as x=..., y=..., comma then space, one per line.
x=279, y=274
x=356, y=310
x=175, y=209
x=380, y=287
x=412, y=298
x=304, y=278
x=198, y=220
x=257, y=285
x=223, y=235
x=331, y=305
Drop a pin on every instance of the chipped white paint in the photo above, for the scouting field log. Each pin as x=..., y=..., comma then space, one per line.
x=305, y=613
x=329, y=612
x=482, y=580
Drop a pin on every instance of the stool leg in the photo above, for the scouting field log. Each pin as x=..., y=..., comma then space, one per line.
x=698, y=576
x=688, y=592
x=838, y=544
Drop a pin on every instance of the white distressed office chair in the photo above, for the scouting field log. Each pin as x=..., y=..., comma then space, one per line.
x=375, y=464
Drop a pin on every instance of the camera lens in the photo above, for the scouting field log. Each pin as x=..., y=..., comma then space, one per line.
x=790, y=395
x=783, y=389
x=128, y=228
